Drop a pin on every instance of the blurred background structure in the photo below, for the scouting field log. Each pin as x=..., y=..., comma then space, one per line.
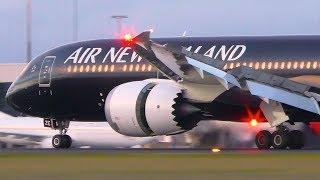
x=75, y=21
x=119, y=19
x=57, y=22
x=29, y=30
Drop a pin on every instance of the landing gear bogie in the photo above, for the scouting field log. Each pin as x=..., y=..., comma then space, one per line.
x=280, y=139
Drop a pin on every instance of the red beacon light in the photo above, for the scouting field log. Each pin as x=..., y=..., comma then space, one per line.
x=127, y=37
x=253, y=122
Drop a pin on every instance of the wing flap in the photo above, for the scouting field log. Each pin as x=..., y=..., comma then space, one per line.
x=144, y=50
x=214, y=71
x=166, y=58
x=274, y=113
x=283, y=96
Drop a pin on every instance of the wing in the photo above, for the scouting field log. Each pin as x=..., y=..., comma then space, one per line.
x=177, y=62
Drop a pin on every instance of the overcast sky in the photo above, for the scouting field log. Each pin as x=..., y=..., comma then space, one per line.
x=52, y=20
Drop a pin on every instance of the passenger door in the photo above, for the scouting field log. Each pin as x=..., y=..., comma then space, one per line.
x=45, y=75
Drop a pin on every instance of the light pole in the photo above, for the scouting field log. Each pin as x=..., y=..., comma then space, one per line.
x=75, y=21
x=29, y=30
x=119, y=18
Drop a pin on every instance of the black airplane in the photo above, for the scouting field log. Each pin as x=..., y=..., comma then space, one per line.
x=165, y=86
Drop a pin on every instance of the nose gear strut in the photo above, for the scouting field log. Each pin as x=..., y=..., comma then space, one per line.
x=61, y=140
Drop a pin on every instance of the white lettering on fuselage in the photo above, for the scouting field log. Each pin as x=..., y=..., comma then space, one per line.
x=112, y=54
x=88, y=54
x=126, y=54
x=74, y=56
x=232, y=53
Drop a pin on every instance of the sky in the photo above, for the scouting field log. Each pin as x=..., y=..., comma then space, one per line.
x=52, y=20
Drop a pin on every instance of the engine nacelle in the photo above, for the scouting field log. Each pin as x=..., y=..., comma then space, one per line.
x=146, y=108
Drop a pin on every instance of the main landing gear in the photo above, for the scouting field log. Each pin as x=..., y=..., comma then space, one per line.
x=61, y=140
x=280, y=139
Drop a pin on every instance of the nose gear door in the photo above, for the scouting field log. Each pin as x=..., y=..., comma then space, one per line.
x=45, y=75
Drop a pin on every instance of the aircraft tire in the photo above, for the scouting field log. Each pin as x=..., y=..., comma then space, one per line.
x=263, y=140
x=57, y=141
x=280, y=139
x=296, y=139
x=61, y=141
x=67, y=141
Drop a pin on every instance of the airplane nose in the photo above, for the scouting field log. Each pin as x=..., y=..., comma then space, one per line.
x=17, y=98
x=11, y=97
x=9, y=94
x=29, y=93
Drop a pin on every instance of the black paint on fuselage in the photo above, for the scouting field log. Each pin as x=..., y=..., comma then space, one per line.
x=75, y=88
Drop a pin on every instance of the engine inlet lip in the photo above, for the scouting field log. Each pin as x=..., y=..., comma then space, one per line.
x=140, y=109
x=107, y=111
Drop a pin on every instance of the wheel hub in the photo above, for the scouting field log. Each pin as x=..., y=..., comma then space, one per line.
x=277, y=140
x=262, y=140
x=56, y=141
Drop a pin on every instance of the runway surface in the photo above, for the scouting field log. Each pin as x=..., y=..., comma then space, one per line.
x=158, y=164
x=156, y=150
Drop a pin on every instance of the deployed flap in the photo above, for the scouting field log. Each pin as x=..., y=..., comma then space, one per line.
x=273, y=112
x=166, y=58
x=214, y=71
x=281, y=95
x=145, y=48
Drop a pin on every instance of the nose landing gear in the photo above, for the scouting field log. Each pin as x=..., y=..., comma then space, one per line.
x=280, y=139
x=61, y=140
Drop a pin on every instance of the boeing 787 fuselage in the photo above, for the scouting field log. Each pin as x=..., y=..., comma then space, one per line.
x=72, y=82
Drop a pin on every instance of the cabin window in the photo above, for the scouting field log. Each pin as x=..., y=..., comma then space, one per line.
x=257, y=65
x=308, y=65
x=263, y=65
x=315, y=64
x=289, y=65
x=295, y=65
x=276, y=65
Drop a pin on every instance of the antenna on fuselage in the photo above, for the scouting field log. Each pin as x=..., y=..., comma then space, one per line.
x=184, y=34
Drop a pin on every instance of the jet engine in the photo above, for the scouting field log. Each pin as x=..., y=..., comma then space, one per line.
x=149, y=108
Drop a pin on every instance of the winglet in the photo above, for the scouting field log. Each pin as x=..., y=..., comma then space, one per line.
x=142, y=37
